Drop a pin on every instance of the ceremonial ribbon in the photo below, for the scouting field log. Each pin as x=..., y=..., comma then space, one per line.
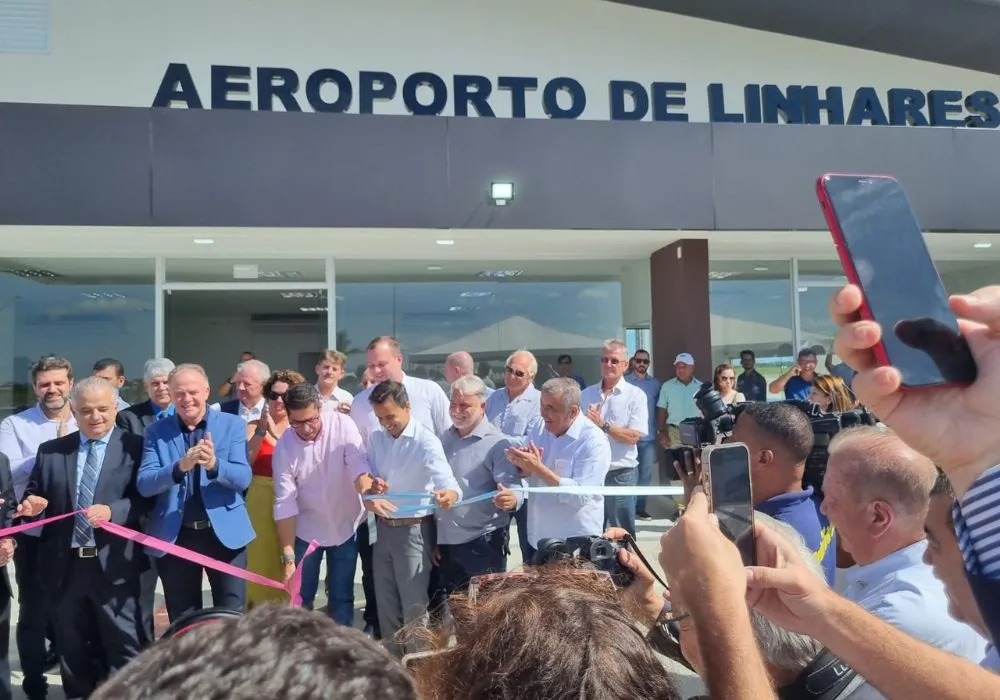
x=403, y=510
x=294, y=583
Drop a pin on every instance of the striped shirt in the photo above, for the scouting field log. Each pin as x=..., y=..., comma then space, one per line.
x=977, y=524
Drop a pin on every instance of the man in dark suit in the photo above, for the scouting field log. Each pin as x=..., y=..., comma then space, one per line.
x=195, y=466
x=251, y=376
x=92, y=576
x=7, y=546
x=136, y=418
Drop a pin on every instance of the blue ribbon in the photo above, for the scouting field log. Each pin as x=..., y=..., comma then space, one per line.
x=403, y=511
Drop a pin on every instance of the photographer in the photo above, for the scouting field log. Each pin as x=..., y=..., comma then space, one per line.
x=780, y=438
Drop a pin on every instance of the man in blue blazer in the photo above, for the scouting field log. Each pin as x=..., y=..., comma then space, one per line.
x=195, y=466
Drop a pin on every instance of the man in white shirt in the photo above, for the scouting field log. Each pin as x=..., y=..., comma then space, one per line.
x=329, y=372
x=251, y=376
x=406, y=457
x=876, y=494
x=428, y=402
x=568, y=450
x=620, y=410
x=20, y=437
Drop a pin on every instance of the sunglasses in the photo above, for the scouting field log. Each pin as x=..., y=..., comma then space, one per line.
x=276, y=396
x=520, y=374
x=613, y=361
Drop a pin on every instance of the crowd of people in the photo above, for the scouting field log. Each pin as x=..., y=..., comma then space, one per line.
x=877, y=582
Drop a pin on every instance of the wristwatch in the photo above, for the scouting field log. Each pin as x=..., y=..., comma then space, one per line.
x=260, y=432
x=287, y=558
x=606, y=427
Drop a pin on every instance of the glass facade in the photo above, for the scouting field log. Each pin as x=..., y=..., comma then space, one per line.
x=489, y=319
x=82, y=310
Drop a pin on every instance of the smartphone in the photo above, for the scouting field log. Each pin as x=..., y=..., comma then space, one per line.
x=726, y=470
x=882, y=249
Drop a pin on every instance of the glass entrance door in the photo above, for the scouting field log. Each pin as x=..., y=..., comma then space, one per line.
x=287, y=329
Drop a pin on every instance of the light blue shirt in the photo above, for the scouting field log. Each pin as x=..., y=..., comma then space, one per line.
x=903, y=591
x=429, y=405
x=651, y=388
x=101, y=447
x=580, y=457
x=122, y=404
x=20, y=436
x=623, y=407
x=518, y=417
x=412, y=463
x=677, y=398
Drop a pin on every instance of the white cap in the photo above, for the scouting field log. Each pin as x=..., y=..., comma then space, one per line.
x=684, y=357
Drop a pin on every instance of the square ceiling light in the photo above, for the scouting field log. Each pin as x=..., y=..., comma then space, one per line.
x=501, y=192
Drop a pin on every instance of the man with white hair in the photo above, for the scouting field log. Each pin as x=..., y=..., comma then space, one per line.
x=473, y=539
x=135, y=419
x=619, y=409
x=515, y=410
x=788, y=656
x=93, y=576
x=877, y=493
x=566, y=450
x=251, y=376
x=195, y=466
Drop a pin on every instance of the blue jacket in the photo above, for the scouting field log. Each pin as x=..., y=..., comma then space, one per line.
x=221, y=488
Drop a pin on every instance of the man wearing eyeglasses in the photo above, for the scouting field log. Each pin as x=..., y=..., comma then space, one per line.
x=314, y=467
x=516, y=409
x=620, y=410
x=650, y=386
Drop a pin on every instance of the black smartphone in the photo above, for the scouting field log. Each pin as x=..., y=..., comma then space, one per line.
x=730, y=494
x=882, y=249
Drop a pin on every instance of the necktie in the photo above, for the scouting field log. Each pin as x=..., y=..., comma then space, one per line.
x=83, y=533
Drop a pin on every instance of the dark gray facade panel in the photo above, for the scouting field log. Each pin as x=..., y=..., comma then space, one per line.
x=74, y=165
x=581, y=174
x=765, y=176
x=233, y=168
x=97, y=166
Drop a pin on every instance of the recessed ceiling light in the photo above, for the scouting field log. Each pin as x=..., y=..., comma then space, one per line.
x=433, y=267
x=445, y=241
x=760, y=269
x=476, y=295
x=982, y=245
x=204, y=241
x=312, y=309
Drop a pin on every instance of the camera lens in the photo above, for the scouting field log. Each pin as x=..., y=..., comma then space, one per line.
x=709, y=402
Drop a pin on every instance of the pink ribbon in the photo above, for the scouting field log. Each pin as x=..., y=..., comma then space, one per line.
x=293, y=587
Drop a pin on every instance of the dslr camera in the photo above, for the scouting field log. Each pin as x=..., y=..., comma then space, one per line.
x=717, y=419
x=600, y=552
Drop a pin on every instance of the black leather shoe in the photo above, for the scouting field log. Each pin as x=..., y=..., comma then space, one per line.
x=643, y=515
x=373, y=631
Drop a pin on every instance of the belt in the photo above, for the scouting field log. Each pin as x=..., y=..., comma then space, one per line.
x=406, y=522
x=199, y=525
x=85, y=552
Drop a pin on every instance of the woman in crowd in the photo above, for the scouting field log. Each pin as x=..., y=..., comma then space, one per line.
x=724, y=382
x=264, y=553
x=556, y=634
x=831, y=394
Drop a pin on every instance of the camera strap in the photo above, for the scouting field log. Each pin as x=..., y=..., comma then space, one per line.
x=634, y=548
x=825, y=678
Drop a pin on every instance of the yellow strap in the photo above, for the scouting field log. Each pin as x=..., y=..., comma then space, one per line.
x=825, y=540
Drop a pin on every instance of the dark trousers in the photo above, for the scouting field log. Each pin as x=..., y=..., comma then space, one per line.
x=147, y=596
x=619, y=511
x=34, y=619
x=367, y=576
x=182, y=579
x=98, y=625
x=521, y=518
x=484, y=555
x=5, y=689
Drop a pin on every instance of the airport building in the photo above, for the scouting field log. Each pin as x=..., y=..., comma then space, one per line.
x=197, y=179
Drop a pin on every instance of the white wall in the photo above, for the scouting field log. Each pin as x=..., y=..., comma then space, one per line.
x=114, y=52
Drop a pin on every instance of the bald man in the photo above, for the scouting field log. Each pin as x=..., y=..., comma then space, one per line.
x=460, y=364
x=877, y=493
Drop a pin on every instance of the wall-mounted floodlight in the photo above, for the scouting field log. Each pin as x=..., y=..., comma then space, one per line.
x=501, y=192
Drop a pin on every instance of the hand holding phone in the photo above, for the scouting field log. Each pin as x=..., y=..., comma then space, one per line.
x=882, y=249
x=730, y=494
